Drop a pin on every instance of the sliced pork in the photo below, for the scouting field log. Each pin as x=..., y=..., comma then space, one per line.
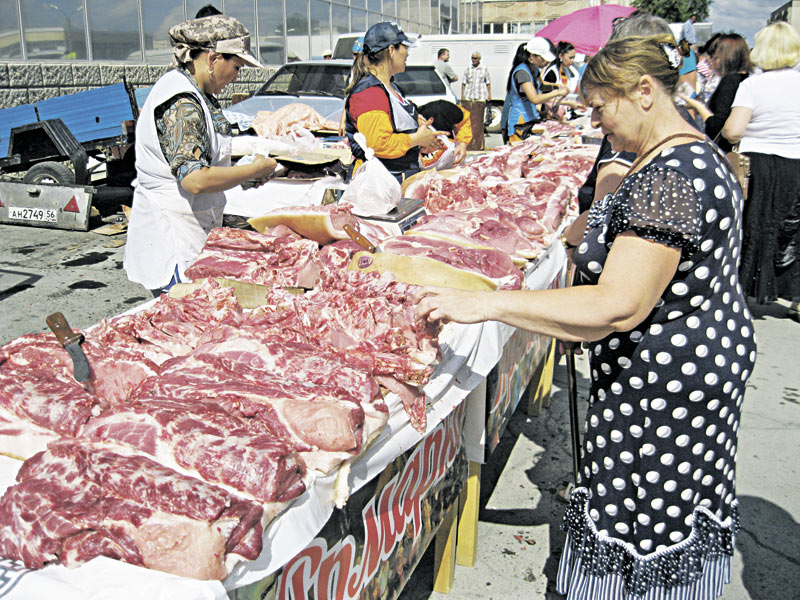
x=79, y=500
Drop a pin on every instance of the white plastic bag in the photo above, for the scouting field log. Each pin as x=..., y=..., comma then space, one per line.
x=373, y=189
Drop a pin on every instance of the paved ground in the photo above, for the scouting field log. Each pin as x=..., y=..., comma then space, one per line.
x=80, y=274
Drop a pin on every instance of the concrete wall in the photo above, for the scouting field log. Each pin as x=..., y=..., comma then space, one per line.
x=27, y=82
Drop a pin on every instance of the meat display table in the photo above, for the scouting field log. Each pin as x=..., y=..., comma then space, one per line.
x=404, y=488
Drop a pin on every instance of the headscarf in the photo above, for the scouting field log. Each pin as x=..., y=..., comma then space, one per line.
x=219, y=33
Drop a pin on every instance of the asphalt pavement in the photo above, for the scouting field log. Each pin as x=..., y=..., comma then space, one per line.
x=81, y=275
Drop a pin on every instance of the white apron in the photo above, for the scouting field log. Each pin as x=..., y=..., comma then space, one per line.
x=168, y=226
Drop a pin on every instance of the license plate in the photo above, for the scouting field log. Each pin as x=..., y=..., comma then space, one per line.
x=23, y=213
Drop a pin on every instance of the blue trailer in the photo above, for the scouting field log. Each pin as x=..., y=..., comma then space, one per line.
x=50, y=143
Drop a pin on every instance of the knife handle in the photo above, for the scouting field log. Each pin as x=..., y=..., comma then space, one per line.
x=58, y=323
x=358, y=238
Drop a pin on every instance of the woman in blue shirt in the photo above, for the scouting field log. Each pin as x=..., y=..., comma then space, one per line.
x=523, y=87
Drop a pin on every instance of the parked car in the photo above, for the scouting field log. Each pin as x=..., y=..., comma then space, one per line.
x=321, y=84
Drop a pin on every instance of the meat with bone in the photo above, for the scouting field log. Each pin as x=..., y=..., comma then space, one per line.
x=366, y=318
x=172, y=326
x=279, y=261
x=79, y=500
x=204, y=441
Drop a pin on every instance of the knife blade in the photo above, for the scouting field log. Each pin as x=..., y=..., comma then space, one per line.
x=71, y=341
x=360, y=239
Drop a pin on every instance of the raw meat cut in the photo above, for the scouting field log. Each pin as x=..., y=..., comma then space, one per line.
x=491, y=263
x=272, y=353
x=368, y=319
x=79, y=500
x=40, y=399
x=172, y=326
x=289, y=117
x=267, y=260
x=320, y=422
x=202, y=440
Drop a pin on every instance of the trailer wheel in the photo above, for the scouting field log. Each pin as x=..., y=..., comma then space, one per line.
x=50, y=172
x=494, y=113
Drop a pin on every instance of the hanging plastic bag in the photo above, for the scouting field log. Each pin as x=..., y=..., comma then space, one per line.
x=373, y=189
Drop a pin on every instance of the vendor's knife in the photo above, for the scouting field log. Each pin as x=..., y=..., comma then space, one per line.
x=361, y=240
x=72, y=344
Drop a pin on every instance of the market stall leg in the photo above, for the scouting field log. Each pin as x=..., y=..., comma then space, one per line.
x=469, y=506
x=444, y=565
x=541, y=384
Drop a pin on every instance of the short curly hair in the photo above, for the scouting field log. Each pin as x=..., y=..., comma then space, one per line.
x=777, y=47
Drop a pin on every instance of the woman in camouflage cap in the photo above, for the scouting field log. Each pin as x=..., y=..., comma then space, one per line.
x=183, y=152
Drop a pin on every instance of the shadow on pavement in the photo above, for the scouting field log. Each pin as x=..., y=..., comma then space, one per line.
x=769, y=545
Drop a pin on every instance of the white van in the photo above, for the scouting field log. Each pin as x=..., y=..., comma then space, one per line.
x=497, y=53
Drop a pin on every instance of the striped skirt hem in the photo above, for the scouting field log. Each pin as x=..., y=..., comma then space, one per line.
x=598, y=567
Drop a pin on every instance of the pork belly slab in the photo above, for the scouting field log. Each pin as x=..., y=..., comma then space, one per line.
x=202, y=440
x=78, y=500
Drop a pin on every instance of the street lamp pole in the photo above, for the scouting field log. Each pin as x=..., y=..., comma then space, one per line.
x=68, y=25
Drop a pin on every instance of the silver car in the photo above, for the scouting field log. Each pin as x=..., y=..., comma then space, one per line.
x=321, y=84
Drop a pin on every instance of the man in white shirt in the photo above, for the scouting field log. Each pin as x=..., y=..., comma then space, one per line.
x=688, y=33
x=476, y=91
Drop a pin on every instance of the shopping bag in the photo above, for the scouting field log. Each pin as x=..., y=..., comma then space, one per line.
x=373, y=189
x=740, y=166
x=526, y=130
x=738, y=163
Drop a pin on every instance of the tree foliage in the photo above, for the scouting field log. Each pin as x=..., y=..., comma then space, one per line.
x=675, y=11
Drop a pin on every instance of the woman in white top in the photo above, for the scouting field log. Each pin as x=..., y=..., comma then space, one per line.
x=765, y=120
x=183, y=149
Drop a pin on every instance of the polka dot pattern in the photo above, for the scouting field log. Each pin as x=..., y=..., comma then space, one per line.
x=666, y=397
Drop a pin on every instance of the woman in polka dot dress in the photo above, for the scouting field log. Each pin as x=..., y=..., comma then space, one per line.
x=670, y=340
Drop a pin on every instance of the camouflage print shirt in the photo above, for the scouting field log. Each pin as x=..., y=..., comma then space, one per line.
x=182, y=132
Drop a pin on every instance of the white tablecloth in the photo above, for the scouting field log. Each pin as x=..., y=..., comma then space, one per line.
x=255, y=202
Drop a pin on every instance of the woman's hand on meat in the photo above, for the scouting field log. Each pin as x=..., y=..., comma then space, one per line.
x=447, y=304
x=460, y=153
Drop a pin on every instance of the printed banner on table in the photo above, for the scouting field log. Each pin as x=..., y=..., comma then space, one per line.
x=369, y=548
x=506, y=383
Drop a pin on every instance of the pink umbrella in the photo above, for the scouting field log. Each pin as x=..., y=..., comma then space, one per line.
x=587, y=29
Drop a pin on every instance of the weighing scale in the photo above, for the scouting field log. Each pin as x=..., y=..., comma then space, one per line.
x=402, y=217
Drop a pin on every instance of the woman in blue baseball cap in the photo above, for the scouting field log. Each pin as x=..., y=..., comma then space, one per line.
x=376, y=107
x=358, y=47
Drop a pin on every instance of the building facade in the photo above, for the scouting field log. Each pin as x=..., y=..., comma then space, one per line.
x=789, y=12
x=54, y=47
